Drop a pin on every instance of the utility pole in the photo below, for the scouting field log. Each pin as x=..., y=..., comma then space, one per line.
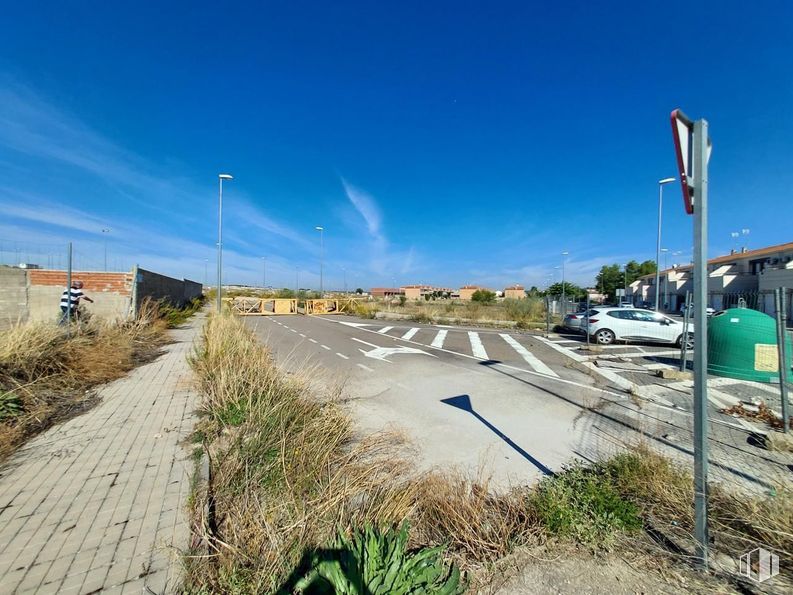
x=661, y=184
x=321, y=230
x=104, y=236
x=221, y=177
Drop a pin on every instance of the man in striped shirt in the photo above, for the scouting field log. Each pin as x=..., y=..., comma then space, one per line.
x=73, y=295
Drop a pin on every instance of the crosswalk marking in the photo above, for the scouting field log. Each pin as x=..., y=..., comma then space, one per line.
x=439, y=339
x=530, y=358
x=385, y=329
x=409, y=335
x=476, y=345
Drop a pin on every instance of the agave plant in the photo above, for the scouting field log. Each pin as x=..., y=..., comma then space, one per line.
x=371, y=562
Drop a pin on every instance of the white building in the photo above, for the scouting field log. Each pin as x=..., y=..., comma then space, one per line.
x=749, y=274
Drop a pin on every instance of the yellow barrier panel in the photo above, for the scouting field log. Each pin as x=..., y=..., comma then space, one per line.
x=253, y=306
x=330, y=306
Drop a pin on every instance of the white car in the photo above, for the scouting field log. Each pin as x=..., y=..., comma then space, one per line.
x=607, y=325
x=708, y=310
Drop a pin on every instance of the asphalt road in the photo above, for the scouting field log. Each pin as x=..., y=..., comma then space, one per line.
x=510, y=403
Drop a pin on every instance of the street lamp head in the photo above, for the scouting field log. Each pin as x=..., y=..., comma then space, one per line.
x=565, y=253
x=666, y=181
x=664, y=249
x=319, y=228
x=105, y=230
x=225, y=176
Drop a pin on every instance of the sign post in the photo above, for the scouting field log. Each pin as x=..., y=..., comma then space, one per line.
x=693, y=147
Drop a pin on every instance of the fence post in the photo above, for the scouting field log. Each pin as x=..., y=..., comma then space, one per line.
x=69, y=291
x=784, y=371
x=686, y=319
x=547, y=315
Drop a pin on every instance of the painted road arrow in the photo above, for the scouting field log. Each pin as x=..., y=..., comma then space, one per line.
x=382, y=353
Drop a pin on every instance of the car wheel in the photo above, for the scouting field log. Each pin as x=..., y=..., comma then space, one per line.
x=689, y=341
x=604, y=337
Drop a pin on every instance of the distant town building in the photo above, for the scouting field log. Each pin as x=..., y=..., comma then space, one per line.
x=383, y=292
x=732, y=276
x=467, y=291
x=417, y=292
x=515, y=292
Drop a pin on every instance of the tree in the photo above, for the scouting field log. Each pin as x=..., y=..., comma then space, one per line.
x=612, y=276
x=571, y=290
x=483, y=296
x=359, y=291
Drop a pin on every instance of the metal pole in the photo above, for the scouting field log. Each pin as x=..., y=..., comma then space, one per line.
x=69, y=291
x=547, y=315
x=686, y=320
x=666, y=280
x=658, y=245
x=784, y=369
x=701, y=340
x=264, y=272
x=564, y=306
x=220, y=246
x=587, y=319
x=321, y=263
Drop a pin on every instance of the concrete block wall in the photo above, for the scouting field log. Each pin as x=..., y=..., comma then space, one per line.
x=13, y=296
x=35, y=294
x=159, y=287
x=111, y=293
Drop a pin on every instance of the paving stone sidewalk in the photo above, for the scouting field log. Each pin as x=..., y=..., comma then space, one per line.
x=97, y=504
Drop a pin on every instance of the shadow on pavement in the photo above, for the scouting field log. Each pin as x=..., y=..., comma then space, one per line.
x=463, y=402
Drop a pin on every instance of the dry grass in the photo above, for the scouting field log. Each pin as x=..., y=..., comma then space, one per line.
x=45, y=374
x=525, y=313
x=287, y=470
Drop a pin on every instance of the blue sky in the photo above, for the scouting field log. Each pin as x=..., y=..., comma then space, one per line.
x=436, y=142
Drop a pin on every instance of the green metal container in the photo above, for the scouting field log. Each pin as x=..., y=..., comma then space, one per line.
x=742, y=344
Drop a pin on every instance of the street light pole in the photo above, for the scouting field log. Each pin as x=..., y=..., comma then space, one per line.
x=221, y=177
x=564, y=305
x=105, y=231
x=321, y=229
x=206, y=271
x=344, y=270
x=264, y=272
x=666, y=276
x=661, y=184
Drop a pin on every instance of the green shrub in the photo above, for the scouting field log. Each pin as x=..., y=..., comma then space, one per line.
x=378, y=563
x=583, y=503
x=10, y=406
x=483, y=296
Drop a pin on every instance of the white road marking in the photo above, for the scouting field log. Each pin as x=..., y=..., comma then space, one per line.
x=634, y=354
x=568, y=352
x=293, y=330
x=567, y=341
x=367, y=368
x=382, y=353
x=439, y=339
x=313, y=340
x=527, y=355
x=409, y=335
x=364, y=342
x=353, y=324
x=476, y=345
x=341, y=355
x=302, y=335
x=325, y=347
x=385, y=329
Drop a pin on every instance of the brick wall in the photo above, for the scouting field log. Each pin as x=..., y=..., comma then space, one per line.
x=111, y=293
x=120, y=283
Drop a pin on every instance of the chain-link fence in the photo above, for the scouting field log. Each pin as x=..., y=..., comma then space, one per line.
x=86, y=256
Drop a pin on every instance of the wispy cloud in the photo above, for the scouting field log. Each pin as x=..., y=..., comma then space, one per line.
x=365, y=205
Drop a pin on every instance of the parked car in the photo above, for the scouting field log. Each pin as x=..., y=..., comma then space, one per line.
x=645, y=305
x=709, y=311
x=572, y=322
x=607, y=325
